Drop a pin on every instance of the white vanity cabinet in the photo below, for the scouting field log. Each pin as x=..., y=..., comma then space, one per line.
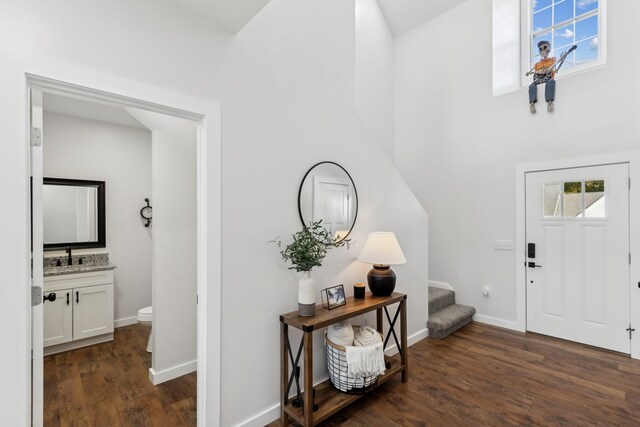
x=82, y=313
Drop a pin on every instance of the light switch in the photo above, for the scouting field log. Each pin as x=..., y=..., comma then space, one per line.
x=503, y=245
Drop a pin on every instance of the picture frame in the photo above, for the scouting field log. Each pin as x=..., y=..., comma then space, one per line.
x=333, y=297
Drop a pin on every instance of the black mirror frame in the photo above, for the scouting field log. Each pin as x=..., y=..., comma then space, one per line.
x=102, y=235
x=355, y=192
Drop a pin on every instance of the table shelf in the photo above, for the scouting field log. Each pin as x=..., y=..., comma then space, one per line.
x=328, y=398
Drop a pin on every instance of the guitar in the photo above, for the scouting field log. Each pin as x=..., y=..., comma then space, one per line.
x=543, y=78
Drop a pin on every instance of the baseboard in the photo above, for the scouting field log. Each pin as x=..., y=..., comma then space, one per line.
x=507, y=324
x=411, y=340
x=125, y=321
x=441, y=285
x=263, y=418
x=172, y=373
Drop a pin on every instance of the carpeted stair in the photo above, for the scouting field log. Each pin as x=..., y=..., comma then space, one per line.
x=445, y=316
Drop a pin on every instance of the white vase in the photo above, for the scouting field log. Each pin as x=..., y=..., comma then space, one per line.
x=306, y=295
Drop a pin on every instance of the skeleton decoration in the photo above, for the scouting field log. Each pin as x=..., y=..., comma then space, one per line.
x=544, y=71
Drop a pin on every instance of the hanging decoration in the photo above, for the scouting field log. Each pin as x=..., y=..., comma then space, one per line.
x=544, y=72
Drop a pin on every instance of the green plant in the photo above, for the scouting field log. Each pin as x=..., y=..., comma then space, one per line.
x=309, y=247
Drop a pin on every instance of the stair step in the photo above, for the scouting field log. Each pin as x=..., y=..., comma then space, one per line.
x=440, y=298
x=449, y=319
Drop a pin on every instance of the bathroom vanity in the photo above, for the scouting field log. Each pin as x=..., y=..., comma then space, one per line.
x=78, y=303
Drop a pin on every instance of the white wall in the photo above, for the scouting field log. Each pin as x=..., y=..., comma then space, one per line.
x=78, y=148
x=374, y=73
x=287, y=88
x=458, y=146
x=174, y=245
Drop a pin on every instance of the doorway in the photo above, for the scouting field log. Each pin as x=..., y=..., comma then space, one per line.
x=208, y=142
x=578, y=255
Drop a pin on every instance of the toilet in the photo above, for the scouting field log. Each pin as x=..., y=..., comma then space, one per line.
x=144, y=318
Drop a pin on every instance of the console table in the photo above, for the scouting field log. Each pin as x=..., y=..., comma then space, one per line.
x=325, y=399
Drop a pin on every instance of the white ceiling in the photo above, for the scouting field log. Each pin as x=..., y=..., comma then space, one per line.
x=89, y=110
x=404, y=15
x=230, y=14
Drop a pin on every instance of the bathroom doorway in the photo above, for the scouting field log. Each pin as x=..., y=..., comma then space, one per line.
x=162, y=123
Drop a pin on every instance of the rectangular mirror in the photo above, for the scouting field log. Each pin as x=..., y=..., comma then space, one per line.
x=73, y=213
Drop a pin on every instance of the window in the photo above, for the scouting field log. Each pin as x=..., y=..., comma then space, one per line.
x=575, y=199
x=564, y=23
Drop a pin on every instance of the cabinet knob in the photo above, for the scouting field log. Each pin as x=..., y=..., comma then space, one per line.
x=51, y=297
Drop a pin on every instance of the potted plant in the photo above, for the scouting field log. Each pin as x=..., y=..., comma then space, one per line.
x=306, y=251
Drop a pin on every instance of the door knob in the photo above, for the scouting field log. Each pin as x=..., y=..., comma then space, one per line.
x=532, y=264
x=51, y=297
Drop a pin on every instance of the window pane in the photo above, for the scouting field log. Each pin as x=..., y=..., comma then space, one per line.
x=563, y=11
x=540, y=4
x=594, y=199
x=552, y=201
x=587, y=28
x=572, y=199
x=587, y=51
x=571, y=58
x=542, y=20
x=563, y=38
x=583, y=6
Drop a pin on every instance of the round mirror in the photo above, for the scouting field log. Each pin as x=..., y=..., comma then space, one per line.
x=328, y=193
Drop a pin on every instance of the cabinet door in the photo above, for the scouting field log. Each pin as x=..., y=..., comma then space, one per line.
x=92, y=311
x=58, y=318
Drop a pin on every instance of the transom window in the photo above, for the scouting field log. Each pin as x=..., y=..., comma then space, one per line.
x=564, y=23
x=575, y=199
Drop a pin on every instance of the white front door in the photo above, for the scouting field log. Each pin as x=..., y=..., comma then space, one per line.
x=578, y=278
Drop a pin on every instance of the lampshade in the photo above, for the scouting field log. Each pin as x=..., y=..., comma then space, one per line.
x=382, y=248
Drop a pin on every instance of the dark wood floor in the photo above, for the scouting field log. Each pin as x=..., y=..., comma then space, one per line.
x=108, y=385
x=487, y=376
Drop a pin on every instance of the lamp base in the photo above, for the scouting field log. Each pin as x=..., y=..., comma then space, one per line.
x=381, y=280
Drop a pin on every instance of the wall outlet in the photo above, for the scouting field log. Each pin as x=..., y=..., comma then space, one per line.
x=486, y=291
x=503, y=245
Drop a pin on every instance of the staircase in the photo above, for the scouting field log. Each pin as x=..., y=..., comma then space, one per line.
x=445, y=316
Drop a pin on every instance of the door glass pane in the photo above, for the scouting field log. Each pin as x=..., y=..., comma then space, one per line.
x=594, y=199
x=552, y=201
x=572, y=199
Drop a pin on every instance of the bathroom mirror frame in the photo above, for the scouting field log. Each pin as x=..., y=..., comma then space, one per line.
x=355, y=194
x=101, y=242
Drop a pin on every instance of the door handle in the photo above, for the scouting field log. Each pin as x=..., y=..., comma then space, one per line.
x=67, y=298
x=51, y=297
x=532, y=264
x=77, y=297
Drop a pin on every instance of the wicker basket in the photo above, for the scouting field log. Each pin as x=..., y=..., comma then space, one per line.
x=338, y=374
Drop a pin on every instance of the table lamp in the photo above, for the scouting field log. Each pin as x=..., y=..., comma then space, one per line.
x=381, y=249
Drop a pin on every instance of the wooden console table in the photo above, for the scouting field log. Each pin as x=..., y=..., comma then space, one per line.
x=325, y=399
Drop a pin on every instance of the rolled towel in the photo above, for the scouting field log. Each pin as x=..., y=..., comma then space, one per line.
x=340, y=333
x=365, y=361
x=365, y=336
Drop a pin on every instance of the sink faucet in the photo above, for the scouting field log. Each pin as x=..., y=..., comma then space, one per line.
x=69, y=259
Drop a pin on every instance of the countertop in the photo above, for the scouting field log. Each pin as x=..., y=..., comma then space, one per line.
x=71, y=269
